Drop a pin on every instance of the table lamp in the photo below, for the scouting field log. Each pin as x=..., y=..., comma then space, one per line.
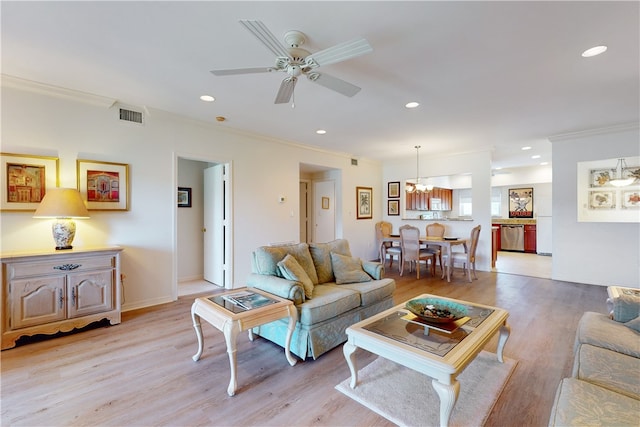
x=62, y=204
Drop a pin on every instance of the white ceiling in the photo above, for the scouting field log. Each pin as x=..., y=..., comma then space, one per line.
x=487, y=74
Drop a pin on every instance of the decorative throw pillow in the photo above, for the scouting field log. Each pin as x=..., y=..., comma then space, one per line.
x=292, y=270
x=626, y=307
x=321, y=254
x=348, y=269
x=633, y=324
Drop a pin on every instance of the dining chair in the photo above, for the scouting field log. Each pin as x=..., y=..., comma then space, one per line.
x=468, y=258
x=436, y=230
x=383, y=229
x=411, y=251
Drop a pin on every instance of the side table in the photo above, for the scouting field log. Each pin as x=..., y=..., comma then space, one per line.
x=231, y=319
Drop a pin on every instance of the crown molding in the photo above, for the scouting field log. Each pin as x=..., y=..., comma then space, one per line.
x=593, y=132
x=55, y=91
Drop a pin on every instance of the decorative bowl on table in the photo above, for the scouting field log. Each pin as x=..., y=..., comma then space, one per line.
x=436, y=310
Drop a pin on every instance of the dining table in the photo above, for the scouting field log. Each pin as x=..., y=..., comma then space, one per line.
x=446, y=244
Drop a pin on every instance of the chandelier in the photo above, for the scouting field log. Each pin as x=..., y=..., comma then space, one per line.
x=618, y=180
x=418, y=186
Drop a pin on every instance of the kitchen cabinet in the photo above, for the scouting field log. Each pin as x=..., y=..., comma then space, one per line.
x=46, y=293
x=530, y=238
x=438, y=199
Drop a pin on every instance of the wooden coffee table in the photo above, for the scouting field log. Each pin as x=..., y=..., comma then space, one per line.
x=439, y=355
x=232, y=319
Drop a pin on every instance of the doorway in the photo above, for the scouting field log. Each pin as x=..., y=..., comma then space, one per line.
x=202, y=231
x=320, y=197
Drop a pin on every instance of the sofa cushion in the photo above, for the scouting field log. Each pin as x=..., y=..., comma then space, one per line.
x=608, y=369
x=321, y=255
x=266, y=259
x=373, y=291
x=601, y=331
x=347, y=269
x=291, y=270
x=580, y=403
x=328, y=302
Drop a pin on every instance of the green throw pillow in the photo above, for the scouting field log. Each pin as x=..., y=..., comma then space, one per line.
x=348, y=269
x=626, y=307
x=292, y=270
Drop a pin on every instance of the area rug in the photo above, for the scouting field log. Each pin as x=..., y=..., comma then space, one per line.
x=406, y=397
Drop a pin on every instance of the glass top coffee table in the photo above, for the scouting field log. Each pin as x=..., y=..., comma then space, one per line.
x=437, y=351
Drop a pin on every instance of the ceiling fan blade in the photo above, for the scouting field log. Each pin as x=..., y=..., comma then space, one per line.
x=286, y=90
x=334, y=83
x=242, y=71
x=262, y=33
x=339, y=52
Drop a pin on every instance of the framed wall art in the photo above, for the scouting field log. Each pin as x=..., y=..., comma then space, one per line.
x=521, y=202
x=104, y=186
x=393, y=207
x=364, y=202
x=600, y=199
x=26, y=180
x=184, y=197
x=325, y=203
x=393, y=189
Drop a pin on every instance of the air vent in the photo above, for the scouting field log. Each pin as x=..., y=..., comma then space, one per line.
x=354, y=162
x=131, y=116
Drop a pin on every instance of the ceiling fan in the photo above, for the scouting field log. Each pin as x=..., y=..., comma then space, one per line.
x=295, y=61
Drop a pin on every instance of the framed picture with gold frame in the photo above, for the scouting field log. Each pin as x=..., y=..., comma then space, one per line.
x=104, y=186
x=325, y=203
x=26, y=180
x=364, y=202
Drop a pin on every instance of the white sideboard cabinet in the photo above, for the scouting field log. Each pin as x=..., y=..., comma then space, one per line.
x=57, y=291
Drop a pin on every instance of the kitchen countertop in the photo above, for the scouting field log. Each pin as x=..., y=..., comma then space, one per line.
x=513, y=221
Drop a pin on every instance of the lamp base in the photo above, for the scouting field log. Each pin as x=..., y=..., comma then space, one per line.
x=64, y=230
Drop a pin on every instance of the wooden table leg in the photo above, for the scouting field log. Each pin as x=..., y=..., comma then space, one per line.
x=448, y=395
x=505, y=330
x=231, y=330
x=197, y=326
x=293, y=319
x=349, y=354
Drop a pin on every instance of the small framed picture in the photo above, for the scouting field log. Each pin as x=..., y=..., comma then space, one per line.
x=393, y=189
x=393, y=207
x=325, y=203
x=27, y=180
x=364, y=202
x=104, y=186
x=184, y=197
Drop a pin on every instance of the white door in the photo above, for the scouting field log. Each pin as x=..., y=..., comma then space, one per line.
x=215, y=226
x=324, y=211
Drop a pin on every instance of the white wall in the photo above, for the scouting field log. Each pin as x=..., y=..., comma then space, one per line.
x=588, y=252
x=45, y=121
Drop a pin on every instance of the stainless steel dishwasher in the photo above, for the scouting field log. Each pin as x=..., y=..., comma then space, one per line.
x=512, y=237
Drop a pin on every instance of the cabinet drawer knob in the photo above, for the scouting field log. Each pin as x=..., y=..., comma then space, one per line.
x=67, y=267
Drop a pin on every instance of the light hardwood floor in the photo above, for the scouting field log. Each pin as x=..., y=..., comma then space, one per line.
x=140, y=373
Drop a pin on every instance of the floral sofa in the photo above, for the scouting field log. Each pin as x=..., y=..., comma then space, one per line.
x=605, y=386
x=331, y=289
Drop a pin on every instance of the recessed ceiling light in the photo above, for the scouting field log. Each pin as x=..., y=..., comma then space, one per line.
x=412, y=104
x=207, y=98
x=526, y=148
x=321, y=131
x=536, y=156
x=544, y=163
x=596, y=50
